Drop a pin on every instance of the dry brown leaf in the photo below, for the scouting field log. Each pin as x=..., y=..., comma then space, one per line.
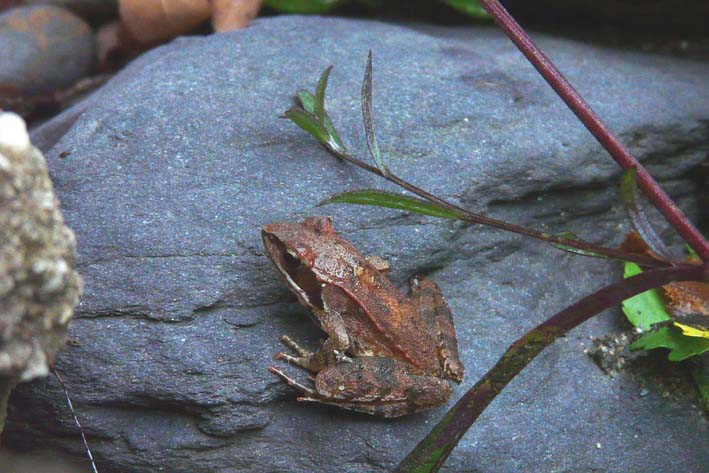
x=152, y=21
x=687, y=301
x=233, y=14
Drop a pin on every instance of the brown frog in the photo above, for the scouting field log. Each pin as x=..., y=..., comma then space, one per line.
x=386, y=354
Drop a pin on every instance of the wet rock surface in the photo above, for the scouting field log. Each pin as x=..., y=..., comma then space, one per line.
x=169, y=171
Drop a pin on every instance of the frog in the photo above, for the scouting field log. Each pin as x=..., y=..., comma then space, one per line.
x=386, y=354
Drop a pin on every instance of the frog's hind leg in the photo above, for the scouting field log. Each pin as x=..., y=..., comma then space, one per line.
x=429, y=303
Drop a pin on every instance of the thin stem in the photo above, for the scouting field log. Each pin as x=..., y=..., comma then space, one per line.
x=481, y=219
x=76, y=419
x=593, y=123
x=430, y=454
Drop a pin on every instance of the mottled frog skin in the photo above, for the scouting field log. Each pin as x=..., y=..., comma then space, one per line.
x=385, y=354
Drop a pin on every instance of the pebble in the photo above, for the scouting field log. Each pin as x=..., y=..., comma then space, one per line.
x=94, y=11
x=44, y=48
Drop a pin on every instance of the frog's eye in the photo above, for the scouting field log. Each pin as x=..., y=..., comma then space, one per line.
x=292, y=262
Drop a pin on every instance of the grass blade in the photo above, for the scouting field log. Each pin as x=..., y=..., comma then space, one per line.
x=307, y=101
x=577, y=251
x=630, y=197
x=430, y=454
x=308, y=122
x=367, y=115
x=319, y=103
x=393, y=201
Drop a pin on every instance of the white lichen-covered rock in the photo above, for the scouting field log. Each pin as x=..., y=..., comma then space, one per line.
x=38, y=285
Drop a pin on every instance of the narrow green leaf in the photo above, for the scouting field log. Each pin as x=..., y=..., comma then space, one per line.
x=630, y=196
x=691, y=254
x=680, y=347
x=308, y=122
x=367, y=116
x=307, y=101
x=470, y=7
x=393, y=201
x=570, y=249
x=319, y=104
x=646, y=309
x=430, y=465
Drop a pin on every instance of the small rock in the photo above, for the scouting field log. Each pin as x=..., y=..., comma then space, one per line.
x=93, y=11
x=44, y=49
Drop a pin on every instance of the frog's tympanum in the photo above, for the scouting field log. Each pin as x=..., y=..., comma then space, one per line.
x=386, y=354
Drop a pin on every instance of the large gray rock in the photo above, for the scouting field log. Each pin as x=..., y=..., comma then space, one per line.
x=168, y=173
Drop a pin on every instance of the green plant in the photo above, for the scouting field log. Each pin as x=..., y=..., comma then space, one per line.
x=430, y=454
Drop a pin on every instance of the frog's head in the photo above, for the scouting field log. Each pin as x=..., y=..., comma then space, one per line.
x=293, y=248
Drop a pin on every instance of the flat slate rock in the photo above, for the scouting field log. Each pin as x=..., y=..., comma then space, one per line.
x=168, y=172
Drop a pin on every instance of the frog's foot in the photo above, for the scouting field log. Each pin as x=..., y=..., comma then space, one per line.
x=305, y=358
x=291, y=382
x=293, y=345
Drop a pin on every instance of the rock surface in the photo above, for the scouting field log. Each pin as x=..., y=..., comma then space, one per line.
x=38, y=285
x=168, y=172
x=44, y=48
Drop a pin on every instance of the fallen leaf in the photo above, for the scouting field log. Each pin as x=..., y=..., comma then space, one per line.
x=230, y=15
x=152, y=21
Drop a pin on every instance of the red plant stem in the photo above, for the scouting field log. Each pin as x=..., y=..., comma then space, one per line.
x=431, y=452
x=594, y=124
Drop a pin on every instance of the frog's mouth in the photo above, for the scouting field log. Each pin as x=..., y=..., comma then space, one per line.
x=297, y=274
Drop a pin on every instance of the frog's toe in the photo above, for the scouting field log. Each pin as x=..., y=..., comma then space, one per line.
x=292, y=382
x=293, y=345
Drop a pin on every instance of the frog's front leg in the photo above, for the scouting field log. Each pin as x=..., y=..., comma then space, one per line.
x=429, y=303
x=333, y=349
x=376, y=385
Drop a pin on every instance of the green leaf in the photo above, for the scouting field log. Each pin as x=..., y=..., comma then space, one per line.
x=319, y=104
x=430, y=465
x=630, y=196
x=307, y=101
x=303, y=6
x=470, y=7
x=570, y=249
x=646, y=309
x=367, y=116
x=680, y=347
x=308, y=122
x=393, y=201
x=691, y=254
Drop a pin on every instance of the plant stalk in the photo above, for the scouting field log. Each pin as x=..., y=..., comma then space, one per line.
x=593, y=123
x=430, y=454
x=470, y=217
